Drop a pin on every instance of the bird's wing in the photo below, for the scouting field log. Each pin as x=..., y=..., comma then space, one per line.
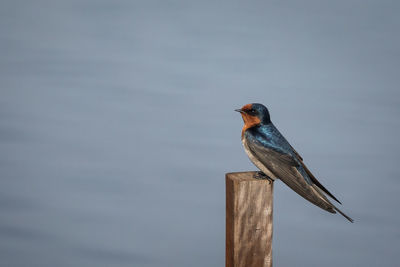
x=285, y=166
x=295, y=152
x=312, y=177
x=317, y=183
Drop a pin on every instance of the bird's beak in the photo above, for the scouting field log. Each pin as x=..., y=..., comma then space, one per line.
x=239, y=110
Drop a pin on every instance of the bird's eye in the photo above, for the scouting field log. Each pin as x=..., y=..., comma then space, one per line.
x=252, y=111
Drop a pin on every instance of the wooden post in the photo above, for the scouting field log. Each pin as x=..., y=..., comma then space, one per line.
x=248, y=221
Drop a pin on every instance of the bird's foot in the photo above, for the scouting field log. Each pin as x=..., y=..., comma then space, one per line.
x=262, y=176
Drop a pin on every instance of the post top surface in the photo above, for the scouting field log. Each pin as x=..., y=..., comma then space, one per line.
x=242, y=176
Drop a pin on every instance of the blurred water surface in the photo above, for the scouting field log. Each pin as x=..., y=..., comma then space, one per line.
x=117, y=126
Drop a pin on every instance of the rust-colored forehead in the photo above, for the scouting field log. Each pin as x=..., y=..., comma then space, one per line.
x=247, y=107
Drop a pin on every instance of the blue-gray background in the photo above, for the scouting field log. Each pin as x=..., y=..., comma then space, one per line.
x=117, y=128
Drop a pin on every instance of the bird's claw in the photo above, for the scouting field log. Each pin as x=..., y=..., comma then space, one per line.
x=262, y=176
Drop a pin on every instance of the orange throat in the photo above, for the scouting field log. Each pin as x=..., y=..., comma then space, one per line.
x=249, y=121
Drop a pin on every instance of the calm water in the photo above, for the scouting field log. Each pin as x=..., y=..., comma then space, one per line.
x=117, y=126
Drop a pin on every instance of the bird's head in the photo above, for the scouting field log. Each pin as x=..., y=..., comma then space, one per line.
x=254, y=114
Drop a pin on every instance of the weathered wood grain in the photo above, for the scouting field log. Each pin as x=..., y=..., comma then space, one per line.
x=248, y=221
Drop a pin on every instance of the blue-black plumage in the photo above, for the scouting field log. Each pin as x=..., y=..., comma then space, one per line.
x=268, y=149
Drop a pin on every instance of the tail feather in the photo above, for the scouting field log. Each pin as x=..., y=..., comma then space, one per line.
x=332, y=208
x=344, y=215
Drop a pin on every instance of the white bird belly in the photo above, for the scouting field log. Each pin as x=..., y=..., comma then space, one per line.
x=256, y=161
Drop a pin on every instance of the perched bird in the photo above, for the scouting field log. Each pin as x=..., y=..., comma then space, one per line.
x=276, y=158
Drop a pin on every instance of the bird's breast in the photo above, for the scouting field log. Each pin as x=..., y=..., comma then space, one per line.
x=255, y=160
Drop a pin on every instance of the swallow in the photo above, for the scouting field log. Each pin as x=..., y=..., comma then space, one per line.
x=268, y=149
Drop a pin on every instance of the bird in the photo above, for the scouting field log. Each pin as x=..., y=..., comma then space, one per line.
x=270, y=152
